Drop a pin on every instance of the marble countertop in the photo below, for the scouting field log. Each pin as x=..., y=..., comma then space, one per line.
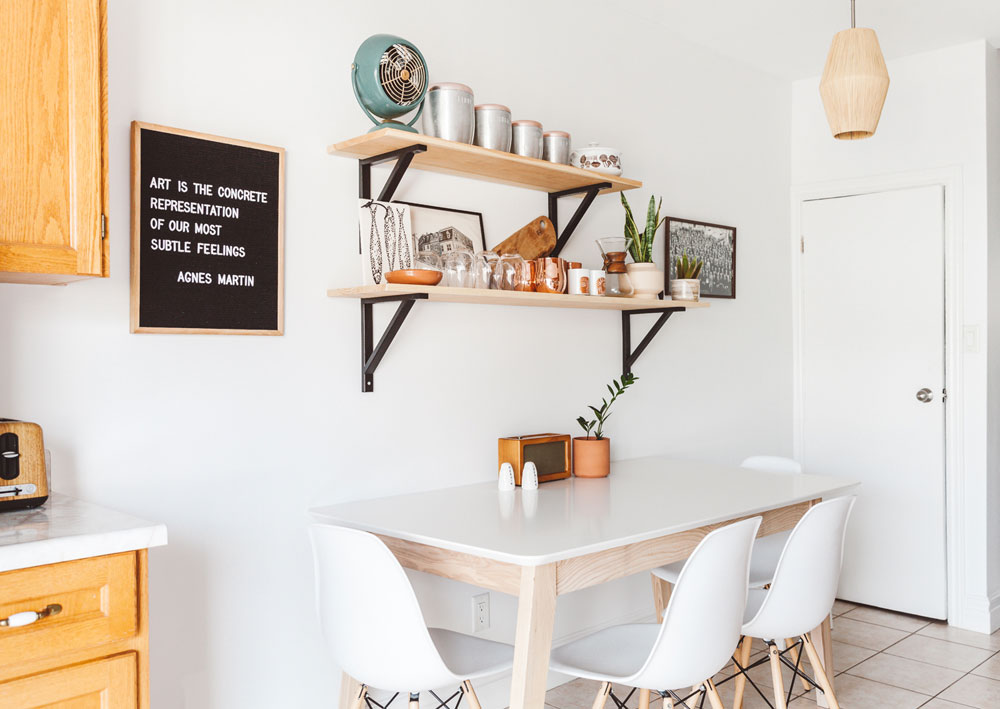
x=65, y=528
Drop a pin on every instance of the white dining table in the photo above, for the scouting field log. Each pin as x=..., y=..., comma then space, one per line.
x=575, y=533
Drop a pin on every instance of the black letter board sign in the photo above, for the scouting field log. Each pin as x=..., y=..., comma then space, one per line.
x=207, y=233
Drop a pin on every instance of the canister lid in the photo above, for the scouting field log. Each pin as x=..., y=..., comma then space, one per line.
x=557, y=133
x=492, y=107
x=450, y=86
x=526, y=122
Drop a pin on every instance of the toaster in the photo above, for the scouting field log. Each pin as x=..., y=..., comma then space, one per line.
x=23, y=479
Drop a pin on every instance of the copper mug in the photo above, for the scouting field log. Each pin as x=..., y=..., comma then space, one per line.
x=550, y=275
x=525, y=278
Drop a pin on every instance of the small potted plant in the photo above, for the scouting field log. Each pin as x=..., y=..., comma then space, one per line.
x=592, y=453
x=646, y=278
x=686, y=286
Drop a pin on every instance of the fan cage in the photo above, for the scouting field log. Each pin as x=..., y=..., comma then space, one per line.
x=402, y=74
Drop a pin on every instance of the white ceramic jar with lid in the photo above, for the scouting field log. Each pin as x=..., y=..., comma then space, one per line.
x=450, y=112
x=493, y=128
x=598, y=158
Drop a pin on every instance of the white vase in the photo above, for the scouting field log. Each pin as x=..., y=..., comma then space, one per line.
x=685, y=289
x=647, y=280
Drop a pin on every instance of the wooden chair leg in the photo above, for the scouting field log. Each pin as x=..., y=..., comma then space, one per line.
x=643, y=699
x=820, y=672
x=661, y=595
x=713, y=695
x=743, y=656
x=776, y=680
x=359, y=700
x=414, y=700
x=470, y=695
x=795, y=652
x=602, y=695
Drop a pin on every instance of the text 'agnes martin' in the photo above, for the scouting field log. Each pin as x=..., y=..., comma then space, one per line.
x=222, y=279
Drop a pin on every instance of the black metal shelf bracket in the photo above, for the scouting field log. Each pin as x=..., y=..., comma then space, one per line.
x=629, y=356
x=371, y=353
x=403, y=158
x=589, y=193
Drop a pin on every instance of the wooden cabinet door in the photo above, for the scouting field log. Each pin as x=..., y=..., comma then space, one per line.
x=103, y=684
x=52, y=140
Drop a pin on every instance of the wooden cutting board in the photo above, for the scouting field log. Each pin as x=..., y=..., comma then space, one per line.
x=533, y=240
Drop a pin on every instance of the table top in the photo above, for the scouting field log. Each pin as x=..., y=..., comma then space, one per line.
x=65, y=529
x=642, y=499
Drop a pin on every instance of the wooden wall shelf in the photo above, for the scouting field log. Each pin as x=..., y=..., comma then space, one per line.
x=372, y=352
x=481, y=296
x=471, y=161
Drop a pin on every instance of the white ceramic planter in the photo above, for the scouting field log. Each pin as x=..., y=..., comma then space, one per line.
x=685, y=289
x=646, y=279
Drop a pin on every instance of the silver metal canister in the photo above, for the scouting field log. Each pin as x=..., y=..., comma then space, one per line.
x=555, y=146
x=449, y=112
x=526, y=138
x=493, y=129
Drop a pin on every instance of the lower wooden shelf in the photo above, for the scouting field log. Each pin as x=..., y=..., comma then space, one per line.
x=503, y=297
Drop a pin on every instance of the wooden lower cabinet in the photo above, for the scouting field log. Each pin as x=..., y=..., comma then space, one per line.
x=93, y=652
x=101, y=684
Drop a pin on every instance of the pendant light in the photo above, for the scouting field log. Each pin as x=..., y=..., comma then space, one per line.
x=854, y=84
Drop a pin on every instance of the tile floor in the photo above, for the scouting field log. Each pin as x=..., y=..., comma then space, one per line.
x=884, y=660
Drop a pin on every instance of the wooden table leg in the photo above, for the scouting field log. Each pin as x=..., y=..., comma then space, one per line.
x=661, y=595
x=823, y=642
x=350, y=691
x=536, y=613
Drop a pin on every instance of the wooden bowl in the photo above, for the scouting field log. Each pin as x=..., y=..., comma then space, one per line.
x=415, y=276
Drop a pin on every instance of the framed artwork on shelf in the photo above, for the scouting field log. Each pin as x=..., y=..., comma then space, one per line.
x=714, y=244
x=442, y=229
x=386, y=239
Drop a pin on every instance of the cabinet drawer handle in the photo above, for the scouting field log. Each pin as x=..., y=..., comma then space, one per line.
x=28, y=617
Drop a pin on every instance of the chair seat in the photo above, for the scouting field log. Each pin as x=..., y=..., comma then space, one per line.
x=469, y=657
x=766, y=552
x=611, y=655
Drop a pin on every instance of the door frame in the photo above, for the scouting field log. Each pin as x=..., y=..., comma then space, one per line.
x=950, y=178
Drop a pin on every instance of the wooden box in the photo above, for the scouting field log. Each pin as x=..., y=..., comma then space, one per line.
x=548, y=451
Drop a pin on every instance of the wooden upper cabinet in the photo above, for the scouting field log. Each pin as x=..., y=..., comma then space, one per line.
x=53, y=140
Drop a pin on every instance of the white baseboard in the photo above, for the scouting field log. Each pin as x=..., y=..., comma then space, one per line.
x=496, y=691
x=980, y=614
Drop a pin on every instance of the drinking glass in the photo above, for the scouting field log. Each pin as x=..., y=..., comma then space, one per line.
x=428, y=260
x=483, y=264
x=506, y=272
x=458, y=271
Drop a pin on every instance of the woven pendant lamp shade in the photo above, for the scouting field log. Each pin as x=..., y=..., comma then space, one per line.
x=854, y=84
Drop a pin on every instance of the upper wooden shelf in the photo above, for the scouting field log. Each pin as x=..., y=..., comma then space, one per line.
x=479, y=163
x=506, y=297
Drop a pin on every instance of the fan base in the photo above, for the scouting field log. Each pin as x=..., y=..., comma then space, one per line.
x=393, y=124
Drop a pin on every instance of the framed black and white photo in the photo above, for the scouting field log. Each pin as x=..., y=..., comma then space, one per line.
x=440, y=229
x=714, y=244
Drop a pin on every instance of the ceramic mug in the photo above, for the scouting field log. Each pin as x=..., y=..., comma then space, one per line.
x=597, y=282
x=579, y=281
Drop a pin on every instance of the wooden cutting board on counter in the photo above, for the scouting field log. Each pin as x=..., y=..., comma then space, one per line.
x=534, y=240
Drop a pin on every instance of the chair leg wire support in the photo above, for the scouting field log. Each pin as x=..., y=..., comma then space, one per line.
x=415, y=697
x=795, y=667
x=679, y=702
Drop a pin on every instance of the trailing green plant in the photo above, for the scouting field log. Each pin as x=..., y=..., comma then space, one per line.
x=640, y=243
x=616, y=389
x=688, y=268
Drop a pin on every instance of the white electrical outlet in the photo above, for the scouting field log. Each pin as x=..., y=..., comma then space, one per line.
x=480, y=612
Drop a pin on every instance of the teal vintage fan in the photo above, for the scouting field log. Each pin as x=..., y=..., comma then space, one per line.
x=390, y=79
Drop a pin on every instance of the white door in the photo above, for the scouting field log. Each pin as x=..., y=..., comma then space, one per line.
x=872, y=338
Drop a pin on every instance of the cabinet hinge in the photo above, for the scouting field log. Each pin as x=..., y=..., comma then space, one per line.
x=802, y=244
x=944, y=395
x=104, y=227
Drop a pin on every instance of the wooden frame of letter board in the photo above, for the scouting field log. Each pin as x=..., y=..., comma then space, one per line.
x=137, y=127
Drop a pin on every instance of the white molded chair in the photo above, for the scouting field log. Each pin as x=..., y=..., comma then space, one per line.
x=375, y=629
x=798, y=601
x=700, y=628
x=766, y=550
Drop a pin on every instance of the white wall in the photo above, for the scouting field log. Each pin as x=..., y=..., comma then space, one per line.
x=935, y=117
x=993, y=205
x=229, y=440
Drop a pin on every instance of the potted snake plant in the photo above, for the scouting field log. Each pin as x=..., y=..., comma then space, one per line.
x=646, y=278
x=685, y=285
x=592, y=452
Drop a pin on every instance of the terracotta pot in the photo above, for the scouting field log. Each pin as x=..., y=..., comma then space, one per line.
x=591, y=457
x=647, y=280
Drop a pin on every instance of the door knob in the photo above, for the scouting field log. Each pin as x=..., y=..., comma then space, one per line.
x=925, y=395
